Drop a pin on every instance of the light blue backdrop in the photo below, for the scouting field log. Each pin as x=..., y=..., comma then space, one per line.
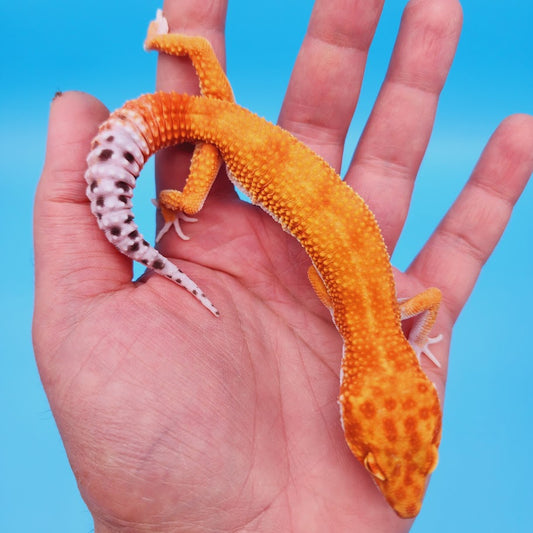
x=483, y=482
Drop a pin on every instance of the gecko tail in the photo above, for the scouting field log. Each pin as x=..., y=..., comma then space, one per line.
x=117, y=156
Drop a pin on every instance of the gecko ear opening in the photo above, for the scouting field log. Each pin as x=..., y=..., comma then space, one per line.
x=372, y=466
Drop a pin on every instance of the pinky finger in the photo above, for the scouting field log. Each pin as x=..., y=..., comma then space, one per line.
x=454, y=255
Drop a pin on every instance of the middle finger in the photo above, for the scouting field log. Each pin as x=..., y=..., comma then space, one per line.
x=327, y=75
x=395, y=138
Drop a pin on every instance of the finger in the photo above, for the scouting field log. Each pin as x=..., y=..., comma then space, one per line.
x=392, y=146
x=206, y=19
x=453, y=257
x=326, y=80
x=72, y=256
x=191, y=17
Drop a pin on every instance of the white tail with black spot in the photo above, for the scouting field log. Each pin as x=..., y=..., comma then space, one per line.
x=118, y=154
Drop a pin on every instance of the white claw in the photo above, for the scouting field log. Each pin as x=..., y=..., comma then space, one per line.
x=175, y=224
x=161, y=22
x=163, y=230
x=177, y=227
x=187, y=218
x=419, y=350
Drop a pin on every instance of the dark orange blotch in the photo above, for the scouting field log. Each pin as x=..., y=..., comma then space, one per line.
x=411, y=510
x=410, y=424
x=408, y=404
x=389, y=427
x=368, y=409
x=390, y=404
x=415, y=441
x=424, y=413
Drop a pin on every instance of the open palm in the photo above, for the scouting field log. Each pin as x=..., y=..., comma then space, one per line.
x=174, y=420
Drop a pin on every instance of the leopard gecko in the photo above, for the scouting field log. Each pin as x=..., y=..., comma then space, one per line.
x=390, y=410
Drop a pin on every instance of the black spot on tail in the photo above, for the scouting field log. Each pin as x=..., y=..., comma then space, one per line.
x=122, y=185
x=158, y=264
x=128, y=156
x=105, y=154
x=115, y=230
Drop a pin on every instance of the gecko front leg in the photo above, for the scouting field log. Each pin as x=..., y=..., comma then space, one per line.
x=424, y=306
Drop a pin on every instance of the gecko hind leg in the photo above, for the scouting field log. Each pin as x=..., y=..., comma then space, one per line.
x=180, y=205
x=424, y=307
x=206, y=161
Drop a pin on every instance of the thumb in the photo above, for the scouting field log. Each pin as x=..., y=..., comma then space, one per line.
x=73, y=260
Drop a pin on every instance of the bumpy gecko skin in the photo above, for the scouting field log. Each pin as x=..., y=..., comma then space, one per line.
x=390, y=410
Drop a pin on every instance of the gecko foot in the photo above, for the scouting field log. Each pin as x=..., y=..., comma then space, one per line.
x=159, y=26
x=172, y=220
x=424, y=349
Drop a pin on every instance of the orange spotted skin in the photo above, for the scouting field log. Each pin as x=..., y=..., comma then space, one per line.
x=390, y=410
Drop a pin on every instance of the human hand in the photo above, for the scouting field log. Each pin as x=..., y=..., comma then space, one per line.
x=174, y=420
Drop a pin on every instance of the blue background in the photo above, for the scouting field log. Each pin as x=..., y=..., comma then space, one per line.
x=483, y=482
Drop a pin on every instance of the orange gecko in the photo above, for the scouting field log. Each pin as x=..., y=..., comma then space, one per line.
x=390, y=410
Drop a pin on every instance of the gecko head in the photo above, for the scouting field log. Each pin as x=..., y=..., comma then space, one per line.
x=393, y=427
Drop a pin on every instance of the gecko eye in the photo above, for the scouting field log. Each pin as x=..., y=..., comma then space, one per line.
x=372, y=466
